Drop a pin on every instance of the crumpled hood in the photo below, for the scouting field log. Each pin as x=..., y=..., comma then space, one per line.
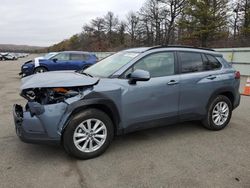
x=57, y=79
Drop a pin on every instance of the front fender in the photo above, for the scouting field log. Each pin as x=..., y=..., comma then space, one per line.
x=98, y=103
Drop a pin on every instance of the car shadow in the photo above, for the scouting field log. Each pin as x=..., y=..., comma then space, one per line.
x=43, y=152
x=163, y=131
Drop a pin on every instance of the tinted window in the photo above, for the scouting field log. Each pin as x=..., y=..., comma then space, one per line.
x=159, y=64
x=190, y=62
x=79, y=57
x=61, y=57
x=211, y=63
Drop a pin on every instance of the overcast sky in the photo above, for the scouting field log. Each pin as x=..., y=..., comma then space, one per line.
x=45, y=22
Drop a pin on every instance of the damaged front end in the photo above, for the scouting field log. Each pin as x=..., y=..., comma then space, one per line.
x=44, y=114
x=38, y=121
x=46, y=96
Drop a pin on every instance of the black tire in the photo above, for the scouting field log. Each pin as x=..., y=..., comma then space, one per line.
x=68, y=135
x=208, y=121
x=40, y=70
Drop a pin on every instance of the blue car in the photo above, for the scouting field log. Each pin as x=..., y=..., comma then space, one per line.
x=67, y=60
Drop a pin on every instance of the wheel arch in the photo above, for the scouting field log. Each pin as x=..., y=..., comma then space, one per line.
x=43, y=66
x=226, y=91
x=105, y=105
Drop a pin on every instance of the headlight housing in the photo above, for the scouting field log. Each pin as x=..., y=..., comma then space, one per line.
x=25, y=67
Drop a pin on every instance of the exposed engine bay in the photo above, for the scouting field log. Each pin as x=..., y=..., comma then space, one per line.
x=50, y=95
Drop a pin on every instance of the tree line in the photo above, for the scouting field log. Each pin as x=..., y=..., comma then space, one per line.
x=205, y=23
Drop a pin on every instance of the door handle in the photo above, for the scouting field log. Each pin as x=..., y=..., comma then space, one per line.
x=211, y=77
x=172, y=82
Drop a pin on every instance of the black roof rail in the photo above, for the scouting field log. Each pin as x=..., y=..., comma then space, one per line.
x=179, y=46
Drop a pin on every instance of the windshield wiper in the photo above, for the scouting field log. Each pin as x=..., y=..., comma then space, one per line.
x=82, y=72
x=86, y=74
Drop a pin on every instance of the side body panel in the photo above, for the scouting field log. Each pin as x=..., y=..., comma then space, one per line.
x=150, y=103
x=197, y=89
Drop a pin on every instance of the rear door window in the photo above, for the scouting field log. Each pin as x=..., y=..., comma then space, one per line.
x=78, y=57
x=190, y=62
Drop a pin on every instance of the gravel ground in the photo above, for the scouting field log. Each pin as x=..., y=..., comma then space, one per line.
x=181, y=155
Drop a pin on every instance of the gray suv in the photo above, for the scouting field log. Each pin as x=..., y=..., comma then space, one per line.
x=131, y=90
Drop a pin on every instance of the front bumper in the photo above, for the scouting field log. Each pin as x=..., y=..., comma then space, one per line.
x=31, y=128
x=26, y=70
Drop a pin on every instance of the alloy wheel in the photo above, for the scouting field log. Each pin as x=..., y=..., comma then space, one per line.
x=90, y=135
x=220, y=113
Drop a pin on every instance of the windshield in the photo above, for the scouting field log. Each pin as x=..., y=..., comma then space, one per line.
x=49, y=55
x=111, y=64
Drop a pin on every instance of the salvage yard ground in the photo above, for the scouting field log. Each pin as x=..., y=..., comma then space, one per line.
x=181, y=155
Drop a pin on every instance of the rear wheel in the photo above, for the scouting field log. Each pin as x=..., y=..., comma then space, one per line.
x=40, y=70
x=88, y=134
x=219, y=113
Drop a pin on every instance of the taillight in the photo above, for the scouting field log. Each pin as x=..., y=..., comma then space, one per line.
x=237, y=75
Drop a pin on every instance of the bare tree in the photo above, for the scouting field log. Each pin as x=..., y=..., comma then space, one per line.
x=111, y=21
x=98, y=27
x=236, y=19
x=246, y=22
x=151, y=13
x=121, y=32
x=132, y=24
x=172, y=9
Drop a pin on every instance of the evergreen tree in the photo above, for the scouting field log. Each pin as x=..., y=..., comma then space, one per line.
x=205, y=20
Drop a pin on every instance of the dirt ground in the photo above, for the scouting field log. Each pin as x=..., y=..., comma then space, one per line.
x=181, y=155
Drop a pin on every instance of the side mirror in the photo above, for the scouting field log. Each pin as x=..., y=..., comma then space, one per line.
x=138, y=75
x=55, y=60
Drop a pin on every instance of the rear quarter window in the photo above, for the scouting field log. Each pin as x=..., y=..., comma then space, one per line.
x=211, y=63
x=224, y=62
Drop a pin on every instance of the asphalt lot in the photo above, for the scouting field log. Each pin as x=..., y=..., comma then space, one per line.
x=181, y=155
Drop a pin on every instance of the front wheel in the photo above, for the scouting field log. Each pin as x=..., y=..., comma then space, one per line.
x=219, y=113
x=88, y=134
x=40, y=70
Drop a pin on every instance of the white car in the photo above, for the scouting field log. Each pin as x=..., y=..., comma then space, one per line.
x=8, y=56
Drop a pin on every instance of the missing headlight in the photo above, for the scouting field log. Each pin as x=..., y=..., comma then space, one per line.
x=50, y=95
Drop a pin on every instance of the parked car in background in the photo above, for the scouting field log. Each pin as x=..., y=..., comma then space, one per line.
x=21, y=55
x=67, y=60
x=46, y=56
x=2, y=54
x=12, y=56
x=131, y=90
x=9, y=56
